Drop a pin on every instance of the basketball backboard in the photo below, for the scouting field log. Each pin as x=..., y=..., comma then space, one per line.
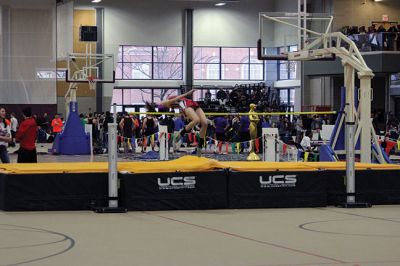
x=83, y=67
x=283, y=33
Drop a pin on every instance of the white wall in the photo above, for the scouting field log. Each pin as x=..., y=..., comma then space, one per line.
x=160, y=22
x=31, y=38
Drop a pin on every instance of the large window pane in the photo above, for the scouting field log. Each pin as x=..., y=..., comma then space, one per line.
x=291, y=97
x=283, y=95
x=206, y=71
x=118, y=71
x=283, y=71
x=256, y=71
x=136, y=96
x=138, y=62
x=117, y=96
x=234, y=55
x=163, y=94
x=254, y=56
x=167, y=54
x=292, y=69
x=235, y=71
x=136, y=71
x=206, y=55
x=136, y=54
x=167, y=71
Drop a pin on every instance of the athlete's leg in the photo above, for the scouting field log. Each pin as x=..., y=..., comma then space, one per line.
x=203, y=129
x=203, y=122
x=193, y=117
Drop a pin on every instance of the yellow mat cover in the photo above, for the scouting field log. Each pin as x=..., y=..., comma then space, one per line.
x=183, y=164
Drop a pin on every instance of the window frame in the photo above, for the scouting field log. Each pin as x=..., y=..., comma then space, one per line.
x=287, y=62
x=221, y=64
x=152, y=63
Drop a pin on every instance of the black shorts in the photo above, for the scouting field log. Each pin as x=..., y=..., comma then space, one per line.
x=27, y=156
x=220, y=136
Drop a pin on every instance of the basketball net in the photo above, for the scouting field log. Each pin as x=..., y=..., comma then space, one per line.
x=92, y=83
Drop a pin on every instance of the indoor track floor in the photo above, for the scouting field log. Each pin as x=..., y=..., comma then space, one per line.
x=256, y=237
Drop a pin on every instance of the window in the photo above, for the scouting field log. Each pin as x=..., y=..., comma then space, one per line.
x=287, y=96
x=138, y=96
x=206, y=63
x=227, y=63
x=149, y=62
x=287, y=69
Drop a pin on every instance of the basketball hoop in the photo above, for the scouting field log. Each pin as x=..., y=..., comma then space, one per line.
x=92, y=83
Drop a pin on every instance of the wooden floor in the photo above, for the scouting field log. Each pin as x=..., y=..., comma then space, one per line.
x=259, y=237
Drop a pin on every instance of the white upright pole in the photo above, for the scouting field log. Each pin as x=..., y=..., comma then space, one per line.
x=112, y=166
x=163, y=138
x=112, y=162
x=270, y=150
x=112, y=171
x=305, y=23
x=349, y=131
x=365, y=117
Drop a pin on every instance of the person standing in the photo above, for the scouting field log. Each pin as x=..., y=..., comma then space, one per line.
x=127, y=126
x=26, y=135
x=14, y=127
x=5, y=136
x=221, y=126
x=57, y=125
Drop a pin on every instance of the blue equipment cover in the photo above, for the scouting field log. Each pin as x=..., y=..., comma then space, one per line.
x=72, y=140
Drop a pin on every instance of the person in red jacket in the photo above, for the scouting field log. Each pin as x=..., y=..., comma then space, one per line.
x=26, y=135
x=57, y=124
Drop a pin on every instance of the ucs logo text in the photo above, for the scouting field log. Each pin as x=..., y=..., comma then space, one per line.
x=177, y=182
x=278, y=181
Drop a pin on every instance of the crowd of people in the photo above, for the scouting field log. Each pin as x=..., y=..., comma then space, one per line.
x=238, y=98
x=140, y=133
x=374, y=38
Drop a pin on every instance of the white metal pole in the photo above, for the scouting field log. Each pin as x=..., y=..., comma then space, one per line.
x=163, y=135
x=112, y=161
x=350, y=168
x=112, y=166
x=114, y=113
x=365, y=117
x=305, y=23
x=349, y=130
x=299, y=25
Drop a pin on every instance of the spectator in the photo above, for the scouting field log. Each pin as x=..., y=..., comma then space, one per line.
x=169, y=122
x=14, y=127
x=108, y=119
x=221, y=125
x=306, y=141
x=127, y=126
x=45, y=123
x=26, y=135
x=5, y=136
x=57, y=124
x=244, y=131
x=149, y=128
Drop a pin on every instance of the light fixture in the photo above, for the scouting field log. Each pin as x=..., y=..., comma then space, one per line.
x=96, y=1
x=220, y=4
x=378, y=0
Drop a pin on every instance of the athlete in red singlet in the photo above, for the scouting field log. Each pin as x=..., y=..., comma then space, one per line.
x=191, y=110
